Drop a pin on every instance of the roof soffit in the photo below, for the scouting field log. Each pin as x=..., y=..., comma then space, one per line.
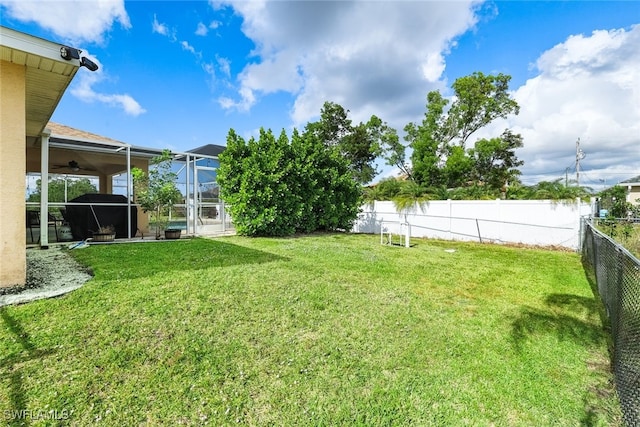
x=47, y=74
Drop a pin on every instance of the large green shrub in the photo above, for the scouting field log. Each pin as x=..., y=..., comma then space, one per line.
x=277, y=188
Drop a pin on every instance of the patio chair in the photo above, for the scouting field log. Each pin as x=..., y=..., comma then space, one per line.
x=33, y=221
x=55, y=221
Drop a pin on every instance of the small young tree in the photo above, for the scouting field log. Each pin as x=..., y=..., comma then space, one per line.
x=157, y=191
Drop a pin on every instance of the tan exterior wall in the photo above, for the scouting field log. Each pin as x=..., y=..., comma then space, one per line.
x=13, y=264
x=634, y=194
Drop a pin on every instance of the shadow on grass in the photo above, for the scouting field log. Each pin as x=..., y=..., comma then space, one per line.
x=564, y=318
x=589, y=274
x=624, y=349
x=134, y=260
x=9, y=369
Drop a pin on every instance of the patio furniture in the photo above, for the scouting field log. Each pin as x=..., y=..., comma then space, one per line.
x=33, y=221
x=93, y=211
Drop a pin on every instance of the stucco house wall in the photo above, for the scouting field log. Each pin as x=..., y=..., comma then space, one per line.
x=12, y=166
x=633, y=190
x=33, y=77
x=634, y=194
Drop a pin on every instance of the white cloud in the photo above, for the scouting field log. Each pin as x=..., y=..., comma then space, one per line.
x=210, y=69
x=225, y=102
x=247, y=100
x=158, y=27
x=370, y=57
x=225, y=66
x=186, y=46
x=76, y=21
x=433, y=67
x=384, y=57
x=162, y=29
x=588, y=87
x=83, y=89
x=201, y=30
x=79, y=22
x=128, y=104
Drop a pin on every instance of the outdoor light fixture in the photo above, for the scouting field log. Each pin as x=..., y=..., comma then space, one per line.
x=73, y=165
x=69, y=53
x=86, y=62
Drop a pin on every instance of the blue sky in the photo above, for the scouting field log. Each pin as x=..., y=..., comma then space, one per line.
x=180, y=74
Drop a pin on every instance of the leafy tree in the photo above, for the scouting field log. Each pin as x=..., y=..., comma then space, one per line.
x=333, y=125
x=156, y=191
x=614, y=199
x=458, y=168
x=395, y=153
x=516, y=190
x=495, y=160
x=74, y=187
x=360, y=145
x=480, y=99
x=410, y=195
x=385, y=189
x=427, y=157
x=440, y=154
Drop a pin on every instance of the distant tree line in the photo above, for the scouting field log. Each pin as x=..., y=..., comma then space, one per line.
x=317, y=179
x=59, y=187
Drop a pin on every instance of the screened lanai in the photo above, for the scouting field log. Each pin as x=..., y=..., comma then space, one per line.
x=88, y=187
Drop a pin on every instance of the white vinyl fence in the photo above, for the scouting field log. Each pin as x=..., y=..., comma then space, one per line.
x=531, y=222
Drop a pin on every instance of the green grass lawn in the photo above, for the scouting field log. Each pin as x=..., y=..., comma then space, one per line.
x=319, y=330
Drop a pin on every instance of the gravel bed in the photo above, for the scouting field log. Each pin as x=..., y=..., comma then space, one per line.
x=50, y=272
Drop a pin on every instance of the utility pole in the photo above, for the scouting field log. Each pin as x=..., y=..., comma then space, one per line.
x=579, y=156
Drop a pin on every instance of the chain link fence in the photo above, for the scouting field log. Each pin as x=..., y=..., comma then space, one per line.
x=616, y=274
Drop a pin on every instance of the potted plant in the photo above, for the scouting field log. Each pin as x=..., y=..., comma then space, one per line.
x=104, y=234
x=156, y=191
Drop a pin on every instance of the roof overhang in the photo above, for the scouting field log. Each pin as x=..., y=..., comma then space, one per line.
x=47, y=75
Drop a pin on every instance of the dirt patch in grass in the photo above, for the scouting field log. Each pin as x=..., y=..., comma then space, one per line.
x=50, y=272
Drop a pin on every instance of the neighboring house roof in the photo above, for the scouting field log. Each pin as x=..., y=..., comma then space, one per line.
x=208, y=150
x=634, y=180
